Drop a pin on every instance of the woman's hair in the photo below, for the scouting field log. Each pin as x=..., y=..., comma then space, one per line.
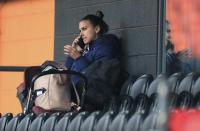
x=97, y=20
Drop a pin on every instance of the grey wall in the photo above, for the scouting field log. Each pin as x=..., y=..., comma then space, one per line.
x=135, y=22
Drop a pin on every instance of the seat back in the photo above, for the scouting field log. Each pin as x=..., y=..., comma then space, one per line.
x=188, y=82
x=172, y=100
x=26, y=121
x=150, y=122
x=196, y=87
x=64, y=122
x=51, y=122
x=196, y=93
x=174, y=81
x=154, y=122
x=140, y=85
x=185, y=97
x=91, y=121
x=135, y=122
x=185, y=100
x=105, y=121
x=126, y=103
x=154, y=85
x=127, y=85
x=119, y=121
x=13, y=123
x=152, y=91
x=38, y=122
x=142, y=103
x=76, y=123
x=4, y=121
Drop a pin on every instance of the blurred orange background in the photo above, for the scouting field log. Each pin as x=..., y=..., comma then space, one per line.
x=26, y=39
x=184, y=16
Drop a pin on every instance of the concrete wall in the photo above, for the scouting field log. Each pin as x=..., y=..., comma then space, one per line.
x=135, y=22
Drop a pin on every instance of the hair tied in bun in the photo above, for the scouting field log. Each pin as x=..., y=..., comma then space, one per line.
x=97, y=20
x=99, y=14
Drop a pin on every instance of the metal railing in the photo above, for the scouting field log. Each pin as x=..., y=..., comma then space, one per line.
x=13, y=68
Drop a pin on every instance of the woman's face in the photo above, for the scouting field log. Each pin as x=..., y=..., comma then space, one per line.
x=87, y=31
x=167, y=33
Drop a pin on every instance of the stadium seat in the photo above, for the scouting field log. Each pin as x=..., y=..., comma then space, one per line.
x=4, y=121
x=135, y=122
x=127, y=85
x=91, y=121
x=50, y=123
x=185, y=97
x=105, y=121
x=174, y=81
x=152, y=91
x=153, y=122
x=121, y=103
x=196, y=93
x=13, y=123
x=64, y=122
x=172, y=100
x=76, y=123
x=154, y=85
x=188, y=82
x=149, y=122
x=142, y=103
x=137, y=89
x=119, y=121
x=38, y=122
x=25, y=122
x=126, y=103
x=134, y=86
x=140, y=85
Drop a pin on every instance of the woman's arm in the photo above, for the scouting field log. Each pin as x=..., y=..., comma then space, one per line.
x=80, y=64
x=69, y=61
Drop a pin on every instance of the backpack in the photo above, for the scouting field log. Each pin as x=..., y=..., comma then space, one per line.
x=50, y=90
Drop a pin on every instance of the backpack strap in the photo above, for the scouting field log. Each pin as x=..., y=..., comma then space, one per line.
x=53, y=64
x=76, y=93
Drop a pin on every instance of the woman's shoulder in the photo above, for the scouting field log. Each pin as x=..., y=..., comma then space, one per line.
x=110, y=37
x=107, y=40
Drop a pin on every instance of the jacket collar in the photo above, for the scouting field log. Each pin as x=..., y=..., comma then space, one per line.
x=94, y=43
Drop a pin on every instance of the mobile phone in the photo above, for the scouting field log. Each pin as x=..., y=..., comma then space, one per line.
x=81, y=43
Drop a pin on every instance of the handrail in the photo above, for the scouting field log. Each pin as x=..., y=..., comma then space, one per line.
x=13, y=68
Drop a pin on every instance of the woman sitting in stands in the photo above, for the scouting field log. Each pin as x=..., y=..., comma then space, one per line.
x=97, y=46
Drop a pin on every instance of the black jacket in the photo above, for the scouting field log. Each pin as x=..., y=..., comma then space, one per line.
x=104, y=83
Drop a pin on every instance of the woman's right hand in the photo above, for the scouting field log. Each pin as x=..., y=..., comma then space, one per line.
x=184, y=54
x=73, y=50
x=75, y=44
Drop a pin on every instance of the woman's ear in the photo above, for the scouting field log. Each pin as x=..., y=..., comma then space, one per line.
x=97, y=29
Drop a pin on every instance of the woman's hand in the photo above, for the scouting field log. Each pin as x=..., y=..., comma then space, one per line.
x=72, y=51
x=75, y=43
x=184, y=54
